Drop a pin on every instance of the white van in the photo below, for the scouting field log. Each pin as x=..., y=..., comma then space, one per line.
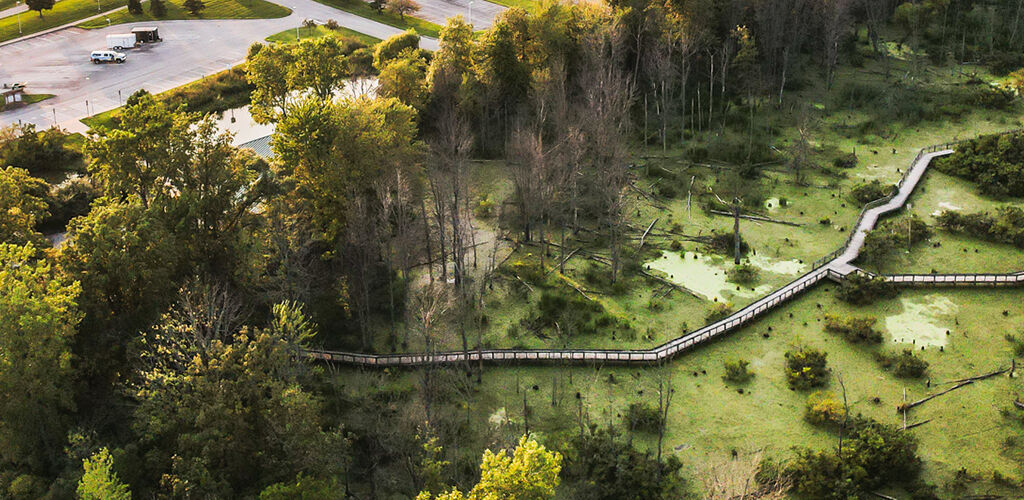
x=102, y=56
x=121, y=41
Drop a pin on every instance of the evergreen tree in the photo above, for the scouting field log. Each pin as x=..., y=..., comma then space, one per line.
x=100, y=482
x=194, y=6
x=135, y=7
x=157, y=8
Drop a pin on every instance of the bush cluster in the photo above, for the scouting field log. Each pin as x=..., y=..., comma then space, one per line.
x=854, y=329
x=806, y=368
x=870, y=191
x=743, y=274
x=1006, y=226
x=904, y=364
x=995, y=162
x=874, y=455
x=824, y=409
x=737, y=372
x=24, y=147
x=892, y=235
x=643, y=417
x=862, y=289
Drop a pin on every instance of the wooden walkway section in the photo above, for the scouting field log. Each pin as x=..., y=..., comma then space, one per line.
x=834, y=266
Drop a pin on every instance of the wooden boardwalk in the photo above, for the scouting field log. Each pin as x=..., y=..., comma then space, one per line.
x=835, y=266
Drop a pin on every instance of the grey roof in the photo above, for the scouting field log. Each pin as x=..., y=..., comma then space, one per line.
x=260, y=146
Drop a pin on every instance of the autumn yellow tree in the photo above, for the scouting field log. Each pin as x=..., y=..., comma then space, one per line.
x=530, y=473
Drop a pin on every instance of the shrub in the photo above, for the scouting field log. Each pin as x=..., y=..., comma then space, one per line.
x=643, y=417
x=854, y=329
x=1006, y=226
x=332, y=25
x=71, y=198
x=870, y=191
x=905, y=364
x=736, y=371
x=743, y=274
x=38, y=152
x=848, y=160
x=723, y=243
x=158, y=8
x=892, y=235
x=806, y=368
x=824, y=409
x=485, y=207
x=860, y=289
x=876, y=455
x=1016, y=343
x=993, y=161
x=600, y=465
x=718, y=311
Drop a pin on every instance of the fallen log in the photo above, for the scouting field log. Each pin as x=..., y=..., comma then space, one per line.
x=958, y=384
x=644, y=236
x=1018, y=404
x=756, y=218
x=566, y=259
x=670, y=284
x=918, y=424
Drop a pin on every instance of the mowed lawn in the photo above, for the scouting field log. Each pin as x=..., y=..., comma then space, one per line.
x=363, y=9
x=320, y=31
x=215, y=9
x=64, y=12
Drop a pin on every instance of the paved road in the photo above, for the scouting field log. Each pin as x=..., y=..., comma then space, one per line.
x=57, y=63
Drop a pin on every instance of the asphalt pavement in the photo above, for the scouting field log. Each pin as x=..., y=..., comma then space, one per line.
x=58, y=62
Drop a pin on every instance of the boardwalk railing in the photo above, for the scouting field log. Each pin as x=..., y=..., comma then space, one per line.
x=821, y=269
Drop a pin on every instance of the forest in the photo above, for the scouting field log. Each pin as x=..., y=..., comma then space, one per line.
x=499, y=192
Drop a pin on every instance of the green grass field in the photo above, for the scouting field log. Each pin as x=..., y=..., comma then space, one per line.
x=215, y=9
x=319, y=31
x=528, y=5
x=64, y=12
x=363, y=9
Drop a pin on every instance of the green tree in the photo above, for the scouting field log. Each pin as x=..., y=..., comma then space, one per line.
x=530, y=473
x=183, y=169
x=268, y=71
x=194, y=7
x=38, y=316
x=319, y=65
x=404, y=79
x=22, y=206
x=241, y=421
x=335, y=151
x=158, y=8
x=402, y=7
x=135, y=7
x=129, y=265
x=40, y=5
x=394, y=46
x=99, y=481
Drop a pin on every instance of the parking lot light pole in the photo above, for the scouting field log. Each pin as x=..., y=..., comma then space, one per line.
x=471, y=12
x=19, y=18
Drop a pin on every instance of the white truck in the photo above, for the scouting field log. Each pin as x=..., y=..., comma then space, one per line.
x=122, y=41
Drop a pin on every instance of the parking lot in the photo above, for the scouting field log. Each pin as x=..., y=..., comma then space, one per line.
x=58, y=62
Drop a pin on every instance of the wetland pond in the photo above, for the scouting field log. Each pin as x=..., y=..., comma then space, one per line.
x=706, y=275
x=923, y=322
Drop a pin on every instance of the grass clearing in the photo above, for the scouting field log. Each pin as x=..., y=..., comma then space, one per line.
x=363, y=9
x=527, y=5
x=215, y=9
x=63, y=12
x=320, y=31
x=212, y=94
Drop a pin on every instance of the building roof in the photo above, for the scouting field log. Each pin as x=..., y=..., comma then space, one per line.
x=260, y=146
